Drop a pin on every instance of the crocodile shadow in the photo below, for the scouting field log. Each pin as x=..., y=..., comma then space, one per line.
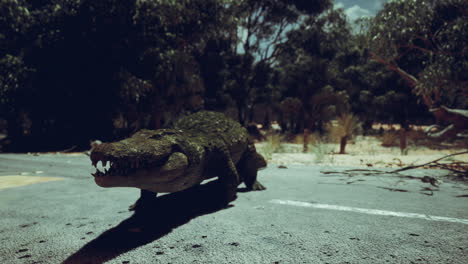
x=145, y=226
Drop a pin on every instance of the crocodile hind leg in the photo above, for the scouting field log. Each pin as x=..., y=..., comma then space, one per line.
x=248, y=167
x=146, y=199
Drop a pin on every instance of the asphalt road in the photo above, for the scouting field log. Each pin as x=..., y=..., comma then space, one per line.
x=304, y=216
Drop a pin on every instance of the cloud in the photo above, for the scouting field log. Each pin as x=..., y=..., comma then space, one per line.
x=356, y=12
x=338, y=5
x=378, y=4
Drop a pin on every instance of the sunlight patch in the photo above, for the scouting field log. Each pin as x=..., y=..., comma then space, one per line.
x=12, y=181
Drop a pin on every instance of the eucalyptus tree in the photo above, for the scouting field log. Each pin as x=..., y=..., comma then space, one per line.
x=262, y=27
x=425, y=43
x=308, y=70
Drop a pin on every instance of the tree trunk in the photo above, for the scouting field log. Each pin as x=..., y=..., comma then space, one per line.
x=343, y=142
x=306, y=141
x=403, y=142
x=241, y=113
x=266, y=120
x=157, y=115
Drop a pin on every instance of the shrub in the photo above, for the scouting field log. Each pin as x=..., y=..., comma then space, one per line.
x=343, y=129
x=272, y=145
x=390, y=139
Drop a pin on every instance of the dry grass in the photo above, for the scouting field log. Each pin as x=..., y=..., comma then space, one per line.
x=366, y=151
x=390, y=139
x=313, y=139
x=272, y=144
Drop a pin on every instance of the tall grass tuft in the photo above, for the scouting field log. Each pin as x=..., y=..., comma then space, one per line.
x=343, y=129
x=320, y=150
x=272, y=145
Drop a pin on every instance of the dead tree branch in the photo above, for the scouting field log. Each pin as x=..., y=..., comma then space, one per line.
x=459, y=168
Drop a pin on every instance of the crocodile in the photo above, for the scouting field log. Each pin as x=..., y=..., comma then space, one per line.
x=196, y=147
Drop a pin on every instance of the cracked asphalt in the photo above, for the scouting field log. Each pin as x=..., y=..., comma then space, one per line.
x=55, y=213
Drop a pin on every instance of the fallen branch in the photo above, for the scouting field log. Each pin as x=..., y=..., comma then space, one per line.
x=459, y=168
x=428, y=163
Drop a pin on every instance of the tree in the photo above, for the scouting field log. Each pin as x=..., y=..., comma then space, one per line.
x=423, y=41
x=306, y=68
x=71, y=67
x=262, y=31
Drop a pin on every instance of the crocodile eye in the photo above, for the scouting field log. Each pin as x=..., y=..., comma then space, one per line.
x=160, y=134
x=157, y=136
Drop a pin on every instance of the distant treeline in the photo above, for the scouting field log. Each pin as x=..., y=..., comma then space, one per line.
x=74, y=70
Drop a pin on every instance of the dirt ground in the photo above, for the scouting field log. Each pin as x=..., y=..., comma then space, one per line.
x=363, y=151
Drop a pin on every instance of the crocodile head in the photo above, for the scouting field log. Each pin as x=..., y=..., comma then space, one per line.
x=149, y=157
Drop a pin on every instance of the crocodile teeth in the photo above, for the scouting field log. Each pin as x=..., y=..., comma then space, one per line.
x=104, y=163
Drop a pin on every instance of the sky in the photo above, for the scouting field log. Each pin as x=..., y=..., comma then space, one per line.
x=354, y=9
x=358, y=8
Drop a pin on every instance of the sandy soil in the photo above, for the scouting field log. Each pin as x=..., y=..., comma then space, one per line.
x=365, y=152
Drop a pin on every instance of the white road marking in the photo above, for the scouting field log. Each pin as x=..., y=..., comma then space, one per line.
x=371, y=211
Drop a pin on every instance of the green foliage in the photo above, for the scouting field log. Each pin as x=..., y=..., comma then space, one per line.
x=259, y=42
x=427, y=40
x=306, y=70
x=13, y=80
x=73, y=68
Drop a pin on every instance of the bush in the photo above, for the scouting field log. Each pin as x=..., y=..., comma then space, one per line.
x=390, y=139
x=343, y=129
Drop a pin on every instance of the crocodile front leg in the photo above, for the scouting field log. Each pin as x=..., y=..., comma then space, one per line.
x=248, y=167
x=228, y=177
x=146, y=199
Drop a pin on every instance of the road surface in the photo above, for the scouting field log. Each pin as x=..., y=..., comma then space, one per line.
x=53, y=212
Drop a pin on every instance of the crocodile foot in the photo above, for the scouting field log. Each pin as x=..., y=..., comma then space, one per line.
x=257, y=187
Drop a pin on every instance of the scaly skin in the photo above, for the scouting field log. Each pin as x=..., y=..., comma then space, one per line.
x=198, y=147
